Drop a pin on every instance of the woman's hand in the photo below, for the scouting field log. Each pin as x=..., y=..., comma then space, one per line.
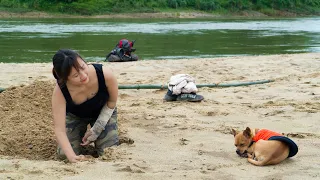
x=85, y=140
x=89, y=137
x=75, y=158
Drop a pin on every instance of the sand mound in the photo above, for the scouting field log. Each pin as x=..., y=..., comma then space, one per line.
x=26, y=122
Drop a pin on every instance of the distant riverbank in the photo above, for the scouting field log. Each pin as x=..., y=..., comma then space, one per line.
x=171, y=14
x=159, y=9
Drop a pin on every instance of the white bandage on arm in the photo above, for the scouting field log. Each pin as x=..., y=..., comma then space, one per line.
x=101, y=122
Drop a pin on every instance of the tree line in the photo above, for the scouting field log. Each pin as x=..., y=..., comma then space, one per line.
x=95, y=7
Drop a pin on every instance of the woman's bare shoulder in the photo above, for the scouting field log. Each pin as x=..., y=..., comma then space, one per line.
x=107, y=72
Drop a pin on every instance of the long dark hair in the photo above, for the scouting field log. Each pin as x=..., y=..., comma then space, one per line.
x=63, y=61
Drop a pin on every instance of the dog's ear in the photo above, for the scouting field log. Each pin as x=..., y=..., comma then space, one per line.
x=234, y=132
x=247, y=132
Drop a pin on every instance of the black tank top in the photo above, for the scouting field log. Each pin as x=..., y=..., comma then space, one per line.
x=92, y=107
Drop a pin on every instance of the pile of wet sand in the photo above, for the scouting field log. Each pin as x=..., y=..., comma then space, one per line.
x=26, y=122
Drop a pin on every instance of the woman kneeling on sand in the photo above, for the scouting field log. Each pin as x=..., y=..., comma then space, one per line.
x=84, y=94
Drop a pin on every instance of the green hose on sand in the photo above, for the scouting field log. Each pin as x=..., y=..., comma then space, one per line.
x=159, y=86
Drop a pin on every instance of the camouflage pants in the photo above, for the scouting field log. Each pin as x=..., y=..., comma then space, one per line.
x=76, y=128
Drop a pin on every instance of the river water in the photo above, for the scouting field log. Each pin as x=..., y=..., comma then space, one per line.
x=36, y=40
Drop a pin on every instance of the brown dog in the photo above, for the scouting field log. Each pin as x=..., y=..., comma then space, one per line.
x=263, y=147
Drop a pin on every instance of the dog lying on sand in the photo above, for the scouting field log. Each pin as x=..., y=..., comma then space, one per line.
x=263, y=147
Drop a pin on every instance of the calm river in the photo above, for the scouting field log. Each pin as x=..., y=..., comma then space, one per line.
x=36, y=40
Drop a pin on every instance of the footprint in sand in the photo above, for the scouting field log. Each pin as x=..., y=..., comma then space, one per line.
x=130, y=169
x=35, y=172
x=213, y=113
x=123, y=96
x=126, y=140
x=273, y=113
x=301, y=135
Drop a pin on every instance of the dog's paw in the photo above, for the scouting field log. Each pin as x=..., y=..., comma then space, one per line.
x=244, y=155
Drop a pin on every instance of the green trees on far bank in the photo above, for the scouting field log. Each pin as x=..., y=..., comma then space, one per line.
x=92, y=7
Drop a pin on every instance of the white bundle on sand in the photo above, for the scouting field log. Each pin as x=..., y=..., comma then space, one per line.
x=182, y=83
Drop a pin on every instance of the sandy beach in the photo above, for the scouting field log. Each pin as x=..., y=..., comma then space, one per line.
x=172, y=140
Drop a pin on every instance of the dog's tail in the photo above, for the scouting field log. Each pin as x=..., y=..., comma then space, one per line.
x=257, y=163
